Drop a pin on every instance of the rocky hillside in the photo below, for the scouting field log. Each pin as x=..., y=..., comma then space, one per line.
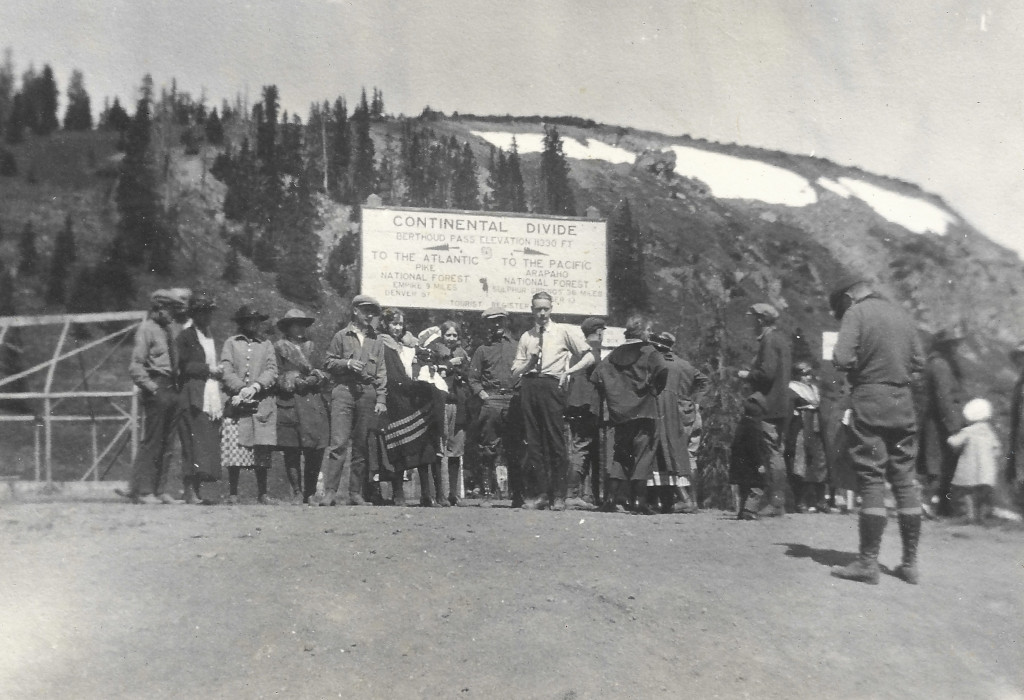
x=724, y=226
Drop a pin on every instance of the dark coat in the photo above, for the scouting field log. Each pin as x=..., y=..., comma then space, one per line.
x=770, y=374
x=749, y=453
x=302, y=415
x=1015, y=449
x=941, y=416
x=193, y=370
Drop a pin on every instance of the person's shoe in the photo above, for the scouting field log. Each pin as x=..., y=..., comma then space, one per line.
x=770, y=511
x=577, y=503
x=191, y=497
x=746, y=515
x=610, y=506
x=127, y=493
x=426, y=502
x=266, y=500
x=149, y=500
x=518, y=503
x=454, y=501
x=231, y=500
x=559, y=504
x=354, y=499
x=398, y=495
x=169, y=500
x=329, y=498
x=535, y=504
x=864, y=570
x=296, y=499
x=684, y=507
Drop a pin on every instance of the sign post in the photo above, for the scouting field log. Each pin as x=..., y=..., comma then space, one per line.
x=440, y=259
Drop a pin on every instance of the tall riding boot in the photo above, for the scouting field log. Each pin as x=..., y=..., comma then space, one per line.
x=440, y=471
x=454, y=469
x=865, y=569
x=910, y=533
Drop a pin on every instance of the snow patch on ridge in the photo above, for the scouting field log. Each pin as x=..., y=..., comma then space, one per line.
x=833, y=187
x=534, y=143
x=912, y=213
x=730, y=177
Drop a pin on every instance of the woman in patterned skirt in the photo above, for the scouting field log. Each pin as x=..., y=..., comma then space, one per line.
x=249, y=430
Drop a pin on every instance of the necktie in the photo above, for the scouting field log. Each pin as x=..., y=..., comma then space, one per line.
x=540, y=347
x=172, y=355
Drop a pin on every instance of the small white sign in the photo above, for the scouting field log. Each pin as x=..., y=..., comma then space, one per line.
x=828, y=344
x=612, y=338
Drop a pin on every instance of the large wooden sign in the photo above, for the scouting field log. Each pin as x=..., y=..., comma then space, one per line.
x=436, y=259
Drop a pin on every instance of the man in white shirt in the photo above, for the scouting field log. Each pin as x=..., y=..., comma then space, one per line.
x=544, y=361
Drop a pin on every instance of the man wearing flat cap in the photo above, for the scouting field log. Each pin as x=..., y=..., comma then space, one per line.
x=491, y=380
x=879, y=350
x=355, y=361
x=769, y=375
x=152, y=369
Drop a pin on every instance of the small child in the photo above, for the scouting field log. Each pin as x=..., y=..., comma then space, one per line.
x=749, y=457
x=977, y=466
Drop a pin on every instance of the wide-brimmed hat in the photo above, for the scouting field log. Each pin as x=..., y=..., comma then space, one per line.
x=365, y=300
x=664, y=339
x=246, y=312
x=845, y=282
x=592, y=325
x=201, y=301
x=765, y=311
x=295, y=316
x=494, y=311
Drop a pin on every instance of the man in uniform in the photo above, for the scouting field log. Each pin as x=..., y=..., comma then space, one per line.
x=544, y=361
x=355, y=360
x=879, y=349
x=152, y=368
x=769, y=375
x=490, y=379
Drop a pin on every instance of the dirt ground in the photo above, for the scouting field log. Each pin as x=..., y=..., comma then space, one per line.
x=105, y=600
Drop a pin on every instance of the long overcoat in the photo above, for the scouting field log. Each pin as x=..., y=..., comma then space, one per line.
x=245, y=361
x=302, y=415
x=940, y=417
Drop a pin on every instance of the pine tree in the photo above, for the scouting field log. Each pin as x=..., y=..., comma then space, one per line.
x=514, y=177
x=64, y=253
x=298, y=276
x=14, y=132
x=377, y=105
x=339, y=154
x=214, y=129
x=342, y=272
x=7, y=304
x=46, y=102
x=363, y=176
x=116, y=118
x=627, y=284
x=7, y=82
x=78, y=116
x=136, y=192
x=555, y=194
x=466, y=187
x=28, y=256
x=233, y=267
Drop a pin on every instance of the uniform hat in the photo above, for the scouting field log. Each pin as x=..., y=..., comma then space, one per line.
x=365, y=300
x=200, y=301
x=664, y=339
x=247, y=311
x=592, y=325
x=977, y=410
x=162, y=297
x=181, y=295
x=845, y=282
x=950, y=334
x=766, y=311
x=295, y=316
x=494, y=311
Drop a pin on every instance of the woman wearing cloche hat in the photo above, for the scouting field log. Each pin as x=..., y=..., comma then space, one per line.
x=249, y=431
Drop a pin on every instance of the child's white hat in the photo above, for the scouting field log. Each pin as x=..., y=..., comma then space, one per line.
x=977, y=410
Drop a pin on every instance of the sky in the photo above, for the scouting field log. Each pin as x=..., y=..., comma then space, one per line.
x=929, y=91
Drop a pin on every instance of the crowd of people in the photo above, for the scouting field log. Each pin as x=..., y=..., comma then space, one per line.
x=523, y=419
x=550, y=423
